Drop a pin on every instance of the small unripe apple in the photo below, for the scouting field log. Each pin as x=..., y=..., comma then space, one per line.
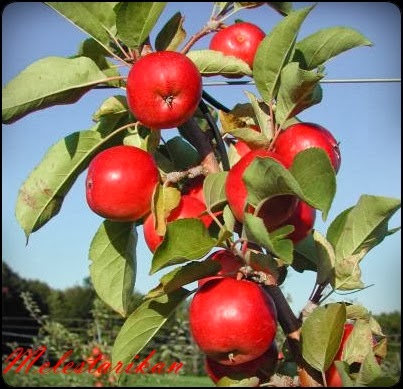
x=301, y=136
x=232, y=321
x=164, y=89
x=189, y=207
x=120, y=183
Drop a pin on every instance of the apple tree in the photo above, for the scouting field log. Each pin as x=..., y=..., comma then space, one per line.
x=230, y=202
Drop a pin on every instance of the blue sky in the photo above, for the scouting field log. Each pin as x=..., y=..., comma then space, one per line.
x=364, y=117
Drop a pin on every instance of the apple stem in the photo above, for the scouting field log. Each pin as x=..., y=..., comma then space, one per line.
x=194, y=38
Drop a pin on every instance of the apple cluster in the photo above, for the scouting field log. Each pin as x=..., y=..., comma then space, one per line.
x=285, y=209
x=233, y=319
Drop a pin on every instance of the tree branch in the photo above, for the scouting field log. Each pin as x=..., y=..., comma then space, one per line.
x=200, y=140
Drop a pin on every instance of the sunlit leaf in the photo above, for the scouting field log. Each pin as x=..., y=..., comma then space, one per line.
x=113, y=264
x=274, y=53
x=185, y=240
x=141, y=326
x=42, y=194
x=299, y=90
x=47, y=82
x=134, y=21
x=321, y=335
x=318, y=48
x=212, y=63
x=184, y=275
x=172, y=34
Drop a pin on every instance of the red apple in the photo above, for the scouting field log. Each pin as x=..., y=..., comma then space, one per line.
x=120, y=183
x=229, y=262
x=333, y=378
x=189, y=207
x=301, y=136
x=236, y=191
x=194, y=187
x=262, y=367
x=303, y=220
x=240, y=40
x=277, y=210
x=232, y=321
x=163, y=89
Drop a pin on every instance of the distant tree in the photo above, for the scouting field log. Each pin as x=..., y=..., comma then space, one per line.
x=13, y=285
x=390, y=322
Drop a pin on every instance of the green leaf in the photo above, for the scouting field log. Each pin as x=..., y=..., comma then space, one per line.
x=359, y=229
x=257, y=232
x=314, y=173
x=172, y=34
x=284, y=8
x=185, y=240
x=212, y=63
x=275, y=51
x=321, y=335
x=113, y=267
x=325, y=44
x=229, y=218
x=42, y=194
x=165, y=199
x=134, y=21
x=214, y=190
x=253, y=139
x=143, y=324
x=94, y=18
x=311, y=178
x=268, y=264
x=343, y=369
x=261, y=112
x=115, y=105
x=184, y=275
x=356, y=311
x=369, y=371
x=265, y=178
x=305, y=255
x=359, y=343
x=299, y=90
x=348, y=273
x=335, y=229
x=92, y=49
x=183, y=154
x=48, y=82
x=326, y=260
